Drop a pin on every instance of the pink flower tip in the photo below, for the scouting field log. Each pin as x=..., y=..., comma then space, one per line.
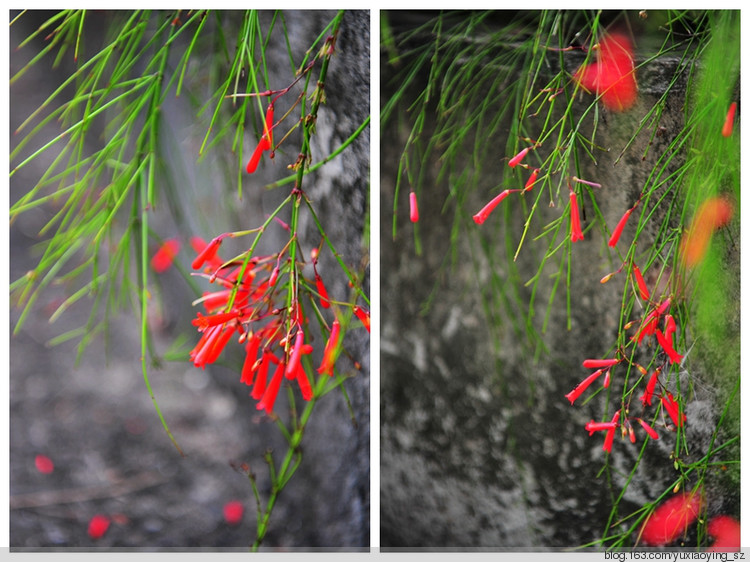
x=233, y=512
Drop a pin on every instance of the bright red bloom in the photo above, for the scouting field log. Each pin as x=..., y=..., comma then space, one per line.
x=610, y=437
x=666, y=345
x=482, y=215
x=648, y=394
x=44, y=464
x=324, y=301
x=513, y=162
x=233, y=512
x=259, y=388
x=575, y=220
x=329, y=357
x=641, y=282
x=612, y=76
x=272, y=390
x=304, y=382
x=532, y=179
x=251, y=360
x=211, y=344
x=294, y=358
x=650, y=430
x=726, y=130
x=593, y=426
x=98, y=525
x=265, y=143
x=209, y=251
x=413, y=208
x=203, y=322
x=198, y=245
x=671, y=519
x=164, y=256
x=583, y=385
x=726, y=533
x=619, y=228
x=363, y=315
x=673, y=409
x=597, y=363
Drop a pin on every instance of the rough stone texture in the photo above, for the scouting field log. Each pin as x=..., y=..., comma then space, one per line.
x=96, y=421
x=479, y=447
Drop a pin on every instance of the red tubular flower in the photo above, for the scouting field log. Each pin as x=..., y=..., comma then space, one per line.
x=209, y=252
x=726, y=130
x=482, y=215
x=513, y=162
x=610, y=437
x=363, y=315
x=260, y=381
x=251, y=360
x=413, y=208
x=673, y=409
x=650, y=430
x=583, y=385
x=597, y=363
x=294, y=358
x=304, y=383
x=532, y=179
x=666, y=345
x=593, y=426
x=269, y=396
x=203, y=322
x=265, y=143
x=619, y=228
x=575, y=221
x=164, y=256
x=329, y=358
x=648, y=394
x=324, y=301
x=641, y=282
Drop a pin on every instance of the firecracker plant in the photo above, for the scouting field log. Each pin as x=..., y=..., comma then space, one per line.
x=669, y=264
x=273, y=306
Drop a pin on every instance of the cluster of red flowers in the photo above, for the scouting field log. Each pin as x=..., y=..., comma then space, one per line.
x=244, y=305
x=648, y=326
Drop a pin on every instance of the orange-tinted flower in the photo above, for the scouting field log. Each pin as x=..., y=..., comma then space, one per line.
x=612, y=76
x=164, y=256
x=198, y=245
x=482, y=215
x=713, y=213
x=648, y=394
x=259, y=388
x=98, y=525
x=363, y=315
x=251, y=362
x=575, y=220
x=329, y=358
x=513, y=162
x=619, y=228
x=413, y=208
x=726, y=130
x=671, y=519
